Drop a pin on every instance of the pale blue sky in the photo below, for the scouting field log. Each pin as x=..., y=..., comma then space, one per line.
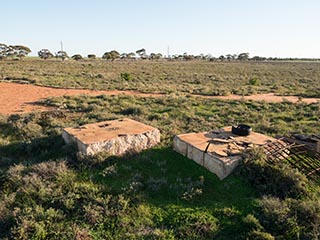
x=281, y=28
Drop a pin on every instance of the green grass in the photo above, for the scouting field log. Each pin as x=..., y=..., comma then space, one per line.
x=197, y=77
x=50, y=192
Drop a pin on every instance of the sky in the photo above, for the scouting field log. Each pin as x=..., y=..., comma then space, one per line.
x=270, y=28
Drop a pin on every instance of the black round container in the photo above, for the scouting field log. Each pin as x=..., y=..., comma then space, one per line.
x=241, y=130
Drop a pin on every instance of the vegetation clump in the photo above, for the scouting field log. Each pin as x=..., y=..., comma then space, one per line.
x=276, y=179
x=287, y=209
x=125, y=76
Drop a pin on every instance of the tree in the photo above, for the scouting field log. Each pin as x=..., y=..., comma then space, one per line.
x=222, y=58
x=92, y=56
x=159, y=56
x=243, y=56
x=125, y=56
x=142, y=53
x=13, y=51
x=4, y=49
x=77, y=57
x=20, y=50
x=177, y=57
x=258, y=58
x=131, y=55
x=154, y=56
x=208, y=56
x=62, y=54
x=187, y=57
x=112, y=55
x=45, y=54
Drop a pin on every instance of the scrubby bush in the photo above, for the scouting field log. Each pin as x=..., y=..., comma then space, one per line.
x=258, y=235
x=278, y=179
x=125, y=76
x=132, y=111
x=254, y=82
x=252, y=229
x=276, y=217
x=188, y=223
x=290, y=219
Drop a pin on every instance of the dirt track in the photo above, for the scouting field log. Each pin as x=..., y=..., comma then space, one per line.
x=21, y=98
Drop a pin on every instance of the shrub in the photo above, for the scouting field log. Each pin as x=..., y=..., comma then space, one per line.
x=308, y=217
x=276, y=218
x=132, y=111
x=251, y=223
x=258, y=235
x=252, y=229
x=50, y=170
x=188, y=189
x=190, y=223
x=290, y=219
x=254, y=82
x=278, y=179
x=37, y=223
x=125, y=76
x=6, y=216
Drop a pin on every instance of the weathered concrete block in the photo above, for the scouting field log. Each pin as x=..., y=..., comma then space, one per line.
x=223, y=154
x=117, y=137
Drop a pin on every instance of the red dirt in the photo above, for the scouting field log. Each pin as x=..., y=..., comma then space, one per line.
x=22, y=98
x=268, y=97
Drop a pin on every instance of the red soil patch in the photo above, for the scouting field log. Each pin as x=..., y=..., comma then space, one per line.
x=22, y=98
x=268, y=97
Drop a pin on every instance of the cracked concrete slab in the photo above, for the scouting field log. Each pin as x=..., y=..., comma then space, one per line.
x=117, y=137
x=218, y=151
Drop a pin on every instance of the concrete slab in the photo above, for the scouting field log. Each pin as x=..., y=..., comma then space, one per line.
x=116, y=137
x=219, y=151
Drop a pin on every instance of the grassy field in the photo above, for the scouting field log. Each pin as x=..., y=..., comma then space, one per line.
x=198, y=77
x=50, y=192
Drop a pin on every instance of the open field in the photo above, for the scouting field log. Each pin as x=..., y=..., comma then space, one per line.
x=196, y=77
x=24, y=98
x=48, y=191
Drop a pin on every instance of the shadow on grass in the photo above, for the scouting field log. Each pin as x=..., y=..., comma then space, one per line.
x=162, y=176
x=159, y=177
x=35, y=151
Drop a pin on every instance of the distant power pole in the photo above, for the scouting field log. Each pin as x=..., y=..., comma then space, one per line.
x=168, y=51
x=61, y=44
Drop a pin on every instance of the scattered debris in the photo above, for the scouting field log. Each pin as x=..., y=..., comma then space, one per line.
x=299, y=151
x=311, y=142
x=219, y=151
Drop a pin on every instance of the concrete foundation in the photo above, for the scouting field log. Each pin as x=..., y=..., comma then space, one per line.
x=218, y=151
x=117, y=137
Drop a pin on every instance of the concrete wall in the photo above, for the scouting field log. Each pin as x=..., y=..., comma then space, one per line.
x=120, y=145
x=221, y=166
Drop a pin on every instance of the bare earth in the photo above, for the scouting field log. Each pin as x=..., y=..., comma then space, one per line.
x=22, y=98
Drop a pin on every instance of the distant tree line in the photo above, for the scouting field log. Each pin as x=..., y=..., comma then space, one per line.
x=20, y=51
x=13, y=51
